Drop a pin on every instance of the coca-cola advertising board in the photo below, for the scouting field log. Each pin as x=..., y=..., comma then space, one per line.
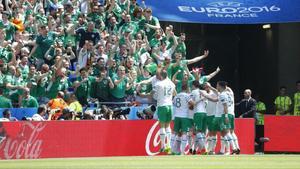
x=56, y=139
x=283, y=133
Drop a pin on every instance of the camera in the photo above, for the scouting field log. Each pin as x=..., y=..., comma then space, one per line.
x=147, y=113
x=120, y=113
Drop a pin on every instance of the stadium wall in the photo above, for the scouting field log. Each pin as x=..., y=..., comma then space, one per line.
x=58, y=139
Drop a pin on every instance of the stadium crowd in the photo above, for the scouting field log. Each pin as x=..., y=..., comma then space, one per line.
x=69, y=53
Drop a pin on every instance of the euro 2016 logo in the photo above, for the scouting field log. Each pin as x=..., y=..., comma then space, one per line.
x=229, y=9
x=225, y=4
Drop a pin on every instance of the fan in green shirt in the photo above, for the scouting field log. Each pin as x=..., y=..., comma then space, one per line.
x=4, y=102
x=187, y=79
x=102, y=85
x=28, y=101
x=43, y=43
x=12, y=84
x=9, y=28
x=182, y=64
x=6, y=54
x=121, y=84
x=129, y=26
x=150, y=23
x=83, y=86
x=58, y=83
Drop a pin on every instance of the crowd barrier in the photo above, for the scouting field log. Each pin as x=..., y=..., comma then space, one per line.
x=19, y=113
x=57, y=139
x=283, y=133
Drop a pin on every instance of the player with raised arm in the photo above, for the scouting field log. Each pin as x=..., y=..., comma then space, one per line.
x=181, y=121
x=164, y=90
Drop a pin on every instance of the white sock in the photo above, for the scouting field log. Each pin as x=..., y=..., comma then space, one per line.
x=222, y=150
x=235, y=140
x=201, y=141
x=213, y=143
x=178, y=142
x=195, y=143
x=172, y=142
x=162, y=137
x=168, y=134
x=227, y=142
x=190, y=140
x=232, y=142
x=183, y=143
x=208, y=143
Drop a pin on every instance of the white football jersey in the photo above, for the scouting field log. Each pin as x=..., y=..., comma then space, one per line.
x=200, y=101
x=181, y=105
x=163, y=92
x=222, y=99
x=230, y=103
x=211, y=106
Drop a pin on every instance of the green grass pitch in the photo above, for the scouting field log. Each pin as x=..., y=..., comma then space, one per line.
x=161, y=162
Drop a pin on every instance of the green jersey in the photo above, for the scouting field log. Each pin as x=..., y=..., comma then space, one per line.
x=5, y=55
x=85, y=88
x=60, y=84
x=145, y=88
x=119, y=91
x=182, y=66
x=29, y=102
x=5, y=102
x=44, y=43
x=150, y=32
x=101, y=89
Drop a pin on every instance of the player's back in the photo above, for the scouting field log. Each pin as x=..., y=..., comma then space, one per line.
x=164, y=92
x=181, y=105
x=211, y=106
x=230, y=102
x=222, y=99
x=200, y=101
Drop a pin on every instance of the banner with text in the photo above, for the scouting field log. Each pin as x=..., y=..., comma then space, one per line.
x=57, y=139
x=226, y=11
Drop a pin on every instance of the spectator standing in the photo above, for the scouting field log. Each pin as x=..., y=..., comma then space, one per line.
x=283, y=102
x=88, y=34
x=297, y=100
x=261, y=110
x=102, y=85
x=28, y=101
x=83, y=86
x=121, y=84
x=247, y=106
x=4, y=102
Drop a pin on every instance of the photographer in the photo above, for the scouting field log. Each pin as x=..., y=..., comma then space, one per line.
x=41, y=113
x=67, y=114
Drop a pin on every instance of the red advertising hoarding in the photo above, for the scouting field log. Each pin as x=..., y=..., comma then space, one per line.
x=283, y=133
x=56, y=139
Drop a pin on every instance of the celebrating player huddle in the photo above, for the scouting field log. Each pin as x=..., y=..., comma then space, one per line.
x=199, y=112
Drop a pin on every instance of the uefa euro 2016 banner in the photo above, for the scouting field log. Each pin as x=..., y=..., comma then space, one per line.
x=226, y=11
